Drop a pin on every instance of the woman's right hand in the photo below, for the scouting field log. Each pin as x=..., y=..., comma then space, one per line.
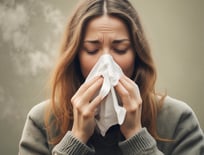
x=84, y=108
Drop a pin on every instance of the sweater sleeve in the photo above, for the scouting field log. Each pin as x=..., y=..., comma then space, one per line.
x=188, y=136
x=70, y=145
x=33, y=140
x=177, y=122
x=140, y=144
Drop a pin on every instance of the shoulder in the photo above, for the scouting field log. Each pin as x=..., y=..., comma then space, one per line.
x=175, y=115
x=34, y=136
x=174, y=106
x=37, y=112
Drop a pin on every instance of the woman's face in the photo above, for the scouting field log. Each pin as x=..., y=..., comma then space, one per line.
x=106, y=35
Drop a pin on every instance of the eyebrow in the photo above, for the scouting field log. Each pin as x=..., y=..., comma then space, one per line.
x=117, y=41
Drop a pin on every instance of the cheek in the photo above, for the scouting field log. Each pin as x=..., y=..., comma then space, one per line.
x=128, y=69
x=86, y=64
x=127, y=65
x=86, y=68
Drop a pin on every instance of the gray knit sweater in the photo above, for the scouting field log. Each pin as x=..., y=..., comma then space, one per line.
x=175, y=121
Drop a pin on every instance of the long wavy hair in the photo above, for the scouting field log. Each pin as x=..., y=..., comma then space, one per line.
x=67, y=76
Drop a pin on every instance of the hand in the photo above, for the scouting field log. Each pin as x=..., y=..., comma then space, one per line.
x=84, y=107
x=129, y=94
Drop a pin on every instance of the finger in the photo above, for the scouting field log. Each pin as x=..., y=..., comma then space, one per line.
x=128, y=92
x=95, y=103
x=89, y=93
x=130, y=85
x=120, y=89
x=85, y=86
x=127, y=83
x=123, y=94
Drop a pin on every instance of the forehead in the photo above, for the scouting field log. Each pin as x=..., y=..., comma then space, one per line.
x=106, y=24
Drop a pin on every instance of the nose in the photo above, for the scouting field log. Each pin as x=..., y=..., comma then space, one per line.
x=106, y=50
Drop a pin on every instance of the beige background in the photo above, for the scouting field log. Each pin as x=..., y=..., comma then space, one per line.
x=29, y=37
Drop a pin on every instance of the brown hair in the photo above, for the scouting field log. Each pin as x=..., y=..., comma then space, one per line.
x=67, y=76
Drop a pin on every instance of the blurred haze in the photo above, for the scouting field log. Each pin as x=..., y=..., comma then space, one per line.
x=30, y=33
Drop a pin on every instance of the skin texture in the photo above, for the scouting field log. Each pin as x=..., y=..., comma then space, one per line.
x=106, y=35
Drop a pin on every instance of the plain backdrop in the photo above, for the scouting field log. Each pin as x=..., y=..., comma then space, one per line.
x=29, y=38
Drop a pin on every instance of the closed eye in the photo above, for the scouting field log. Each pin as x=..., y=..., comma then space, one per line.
x=91, y=51
x=121, y=46
x=120, y=51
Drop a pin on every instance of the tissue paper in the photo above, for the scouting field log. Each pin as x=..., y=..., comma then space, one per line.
x=109, y=112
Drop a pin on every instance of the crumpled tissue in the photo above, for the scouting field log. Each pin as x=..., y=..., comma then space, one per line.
x=109, y=112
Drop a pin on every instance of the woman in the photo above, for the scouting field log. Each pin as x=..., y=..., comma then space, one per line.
x=66, y=125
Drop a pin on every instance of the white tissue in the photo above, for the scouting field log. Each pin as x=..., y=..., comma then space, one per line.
x=110, y=112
